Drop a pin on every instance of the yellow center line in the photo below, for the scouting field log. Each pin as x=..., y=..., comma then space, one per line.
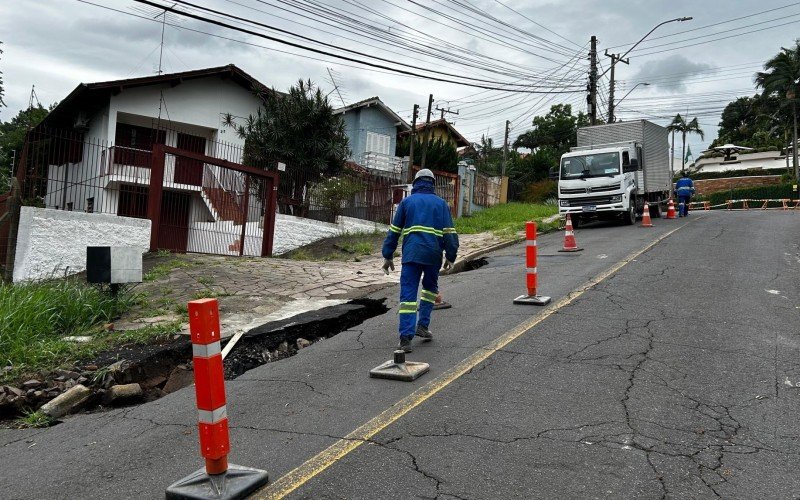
x=317, y=464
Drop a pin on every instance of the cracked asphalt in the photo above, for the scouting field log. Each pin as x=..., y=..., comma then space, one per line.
x=676, y=376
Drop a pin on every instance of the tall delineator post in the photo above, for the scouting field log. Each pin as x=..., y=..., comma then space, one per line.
x=218, y=479
x=531, y=271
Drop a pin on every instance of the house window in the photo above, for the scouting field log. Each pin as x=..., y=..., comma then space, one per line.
x=69, y=207
x=89, y=205
x=378, y=143
x=134, y=144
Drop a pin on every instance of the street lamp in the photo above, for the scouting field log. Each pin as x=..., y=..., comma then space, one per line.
x=615, y=58
x=629, y=92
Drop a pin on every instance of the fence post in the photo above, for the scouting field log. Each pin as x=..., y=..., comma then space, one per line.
x=270, y=208
x=14, y=207
x=245, y=209
x=155, y=194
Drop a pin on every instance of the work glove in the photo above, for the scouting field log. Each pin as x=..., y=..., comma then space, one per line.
x=387, y=264
x=447, y=265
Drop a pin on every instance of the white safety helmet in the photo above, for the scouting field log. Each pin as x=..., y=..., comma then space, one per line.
x=424, y=173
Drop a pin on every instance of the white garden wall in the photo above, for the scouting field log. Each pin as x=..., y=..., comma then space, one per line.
x=290, y=232
x=53, y=242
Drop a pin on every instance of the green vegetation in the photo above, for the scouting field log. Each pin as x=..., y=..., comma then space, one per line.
x=34, y=419
x=441, y=154
x=505, y=219
x=163, y=269
x=779, y=191
x=35, y=318
x=730, y=173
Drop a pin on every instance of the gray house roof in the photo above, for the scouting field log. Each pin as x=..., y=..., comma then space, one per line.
x=376, y=101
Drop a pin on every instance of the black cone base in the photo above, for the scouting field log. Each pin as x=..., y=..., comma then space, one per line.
x=237, y=482
x=406, y=372
x=532, y=300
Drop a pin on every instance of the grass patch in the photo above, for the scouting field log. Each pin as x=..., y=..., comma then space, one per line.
x=34, y=419
x=162, y=270
x=209, y=294
x=35, y=318
x=505, y=220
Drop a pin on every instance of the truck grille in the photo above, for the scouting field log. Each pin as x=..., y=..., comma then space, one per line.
x=595, y=189
x=593, y=200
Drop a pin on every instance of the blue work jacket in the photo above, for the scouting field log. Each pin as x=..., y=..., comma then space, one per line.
x=684, y=187
x=423, y=220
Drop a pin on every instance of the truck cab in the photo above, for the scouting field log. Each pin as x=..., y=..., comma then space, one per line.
x=601, y=182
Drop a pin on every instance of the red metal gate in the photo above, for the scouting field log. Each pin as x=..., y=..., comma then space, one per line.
x=209, y=205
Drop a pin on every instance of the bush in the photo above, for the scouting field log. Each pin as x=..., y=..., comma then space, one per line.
x=335, y=193
x=34, y=317
x=751, y=193
x=540, y=192
x=731, y=173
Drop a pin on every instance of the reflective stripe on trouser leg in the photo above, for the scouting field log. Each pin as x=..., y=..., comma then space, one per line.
x=430, y=287
x=409, y=284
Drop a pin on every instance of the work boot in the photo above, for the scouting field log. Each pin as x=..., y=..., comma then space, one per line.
x=405, y=344
x=423, y=333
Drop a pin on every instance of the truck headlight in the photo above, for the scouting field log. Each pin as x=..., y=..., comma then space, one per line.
x=616, y=198
x=563, y=203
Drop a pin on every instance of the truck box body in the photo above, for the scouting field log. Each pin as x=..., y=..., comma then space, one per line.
x=655, y=174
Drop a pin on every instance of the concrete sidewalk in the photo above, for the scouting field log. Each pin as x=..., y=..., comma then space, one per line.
x=252, y=291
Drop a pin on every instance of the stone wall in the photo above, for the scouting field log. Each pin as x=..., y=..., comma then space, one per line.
x=53, y=242
x=710, y=186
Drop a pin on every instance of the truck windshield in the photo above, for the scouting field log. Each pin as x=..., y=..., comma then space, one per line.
x=595, y=165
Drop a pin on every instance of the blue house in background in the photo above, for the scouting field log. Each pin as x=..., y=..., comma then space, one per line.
x=372, y=129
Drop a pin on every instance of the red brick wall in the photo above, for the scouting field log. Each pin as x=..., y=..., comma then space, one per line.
x=709, y=186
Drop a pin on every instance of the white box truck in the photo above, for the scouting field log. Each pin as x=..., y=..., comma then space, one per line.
x=613, y=170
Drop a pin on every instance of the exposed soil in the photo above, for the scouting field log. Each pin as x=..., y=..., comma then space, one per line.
x=166, y=367
x=349, y=247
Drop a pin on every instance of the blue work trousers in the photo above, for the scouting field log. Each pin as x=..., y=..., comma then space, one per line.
x=410, y=276
x=683, y=205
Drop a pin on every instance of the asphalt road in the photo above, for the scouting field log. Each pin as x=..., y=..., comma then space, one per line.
x=664, y=367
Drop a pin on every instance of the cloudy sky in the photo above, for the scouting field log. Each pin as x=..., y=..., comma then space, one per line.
x=693, y=67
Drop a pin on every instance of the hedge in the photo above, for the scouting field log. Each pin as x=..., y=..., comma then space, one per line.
x=751, y=172
x=751, y=193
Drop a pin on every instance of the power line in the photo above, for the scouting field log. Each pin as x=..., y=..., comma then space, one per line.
x=339, y=56
x=302, y=37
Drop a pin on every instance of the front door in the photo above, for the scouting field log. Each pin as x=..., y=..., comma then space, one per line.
x=187, y=170
x=173, y=234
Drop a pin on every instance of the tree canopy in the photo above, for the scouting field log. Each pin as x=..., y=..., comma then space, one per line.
x=12, y=139
x=755, y=122
x=441, y=155
x=300, y=130
x=555, y=132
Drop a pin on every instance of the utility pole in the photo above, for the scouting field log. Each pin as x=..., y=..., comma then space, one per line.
x=505, y=150
x=427, y=132
x=615, y=58
x=410, y=175
x=592, y=100
x=445, y=111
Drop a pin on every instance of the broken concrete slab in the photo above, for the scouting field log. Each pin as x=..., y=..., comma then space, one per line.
x=66, y=402
x=121, y=392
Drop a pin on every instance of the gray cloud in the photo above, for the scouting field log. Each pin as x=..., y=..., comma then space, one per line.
x=670, y=73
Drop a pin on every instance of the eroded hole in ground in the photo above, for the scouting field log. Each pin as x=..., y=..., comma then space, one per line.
x=137, y=374
x=471, y=265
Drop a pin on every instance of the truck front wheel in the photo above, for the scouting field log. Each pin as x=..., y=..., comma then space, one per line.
x=629, y=218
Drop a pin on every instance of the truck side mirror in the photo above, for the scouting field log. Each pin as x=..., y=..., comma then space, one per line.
x=553, y=174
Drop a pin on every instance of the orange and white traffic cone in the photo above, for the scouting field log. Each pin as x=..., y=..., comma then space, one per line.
x=646, y=222
x=570, y=245
x=671, y=210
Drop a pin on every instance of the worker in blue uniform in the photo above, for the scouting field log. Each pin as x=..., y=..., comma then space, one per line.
x=423, y=220
x=684, y=188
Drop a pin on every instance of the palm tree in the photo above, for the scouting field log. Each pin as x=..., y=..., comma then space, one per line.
x=679, y=124
x=781, y=77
